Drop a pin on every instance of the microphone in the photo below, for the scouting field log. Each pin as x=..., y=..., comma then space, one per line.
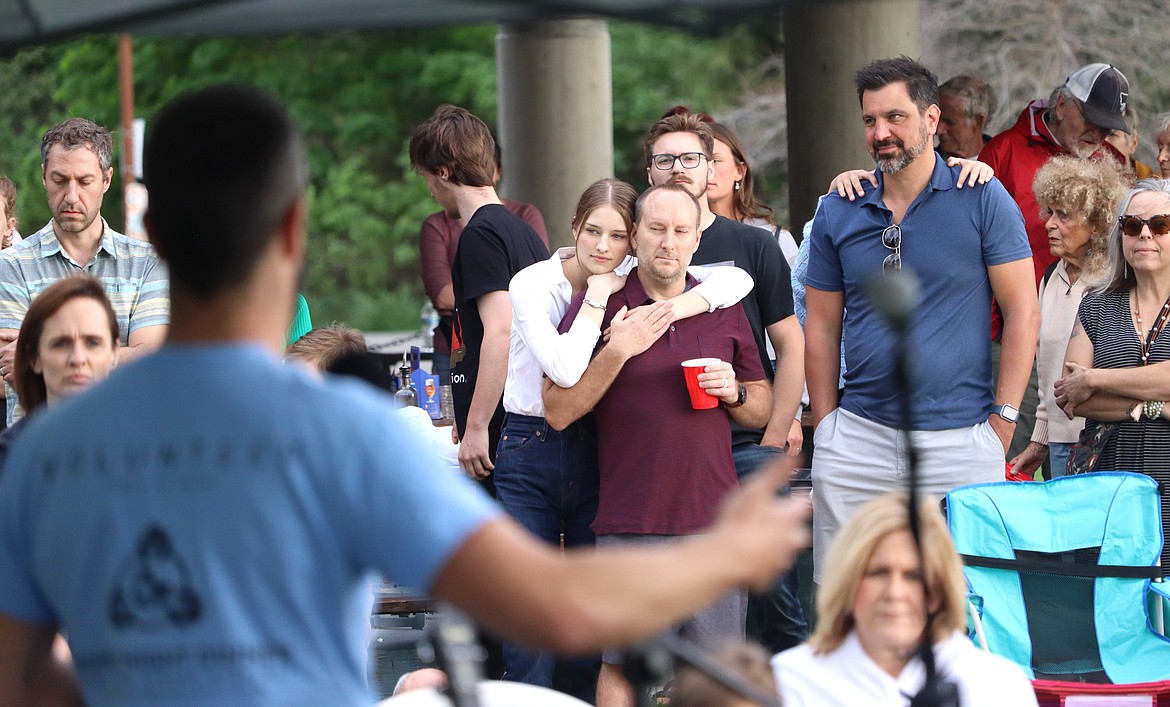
x=895, y=295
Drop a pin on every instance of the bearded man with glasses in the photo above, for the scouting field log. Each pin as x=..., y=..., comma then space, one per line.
x=964, y=245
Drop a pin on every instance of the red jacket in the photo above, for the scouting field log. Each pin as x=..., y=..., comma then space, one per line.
x=1016, y=155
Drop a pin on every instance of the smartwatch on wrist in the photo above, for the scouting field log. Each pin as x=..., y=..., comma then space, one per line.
x=1007, y=412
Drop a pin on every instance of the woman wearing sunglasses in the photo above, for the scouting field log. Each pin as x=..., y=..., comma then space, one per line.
x=1078, y=199
x=1110, y=373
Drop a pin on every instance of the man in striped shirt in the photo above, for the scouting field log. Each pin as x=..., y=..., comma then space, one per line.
x=76, y=170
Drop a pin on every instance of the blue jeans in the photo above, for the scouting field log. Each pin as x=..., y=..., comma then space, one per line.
x=547, y=481
x=1058, y=459
x=775, y=618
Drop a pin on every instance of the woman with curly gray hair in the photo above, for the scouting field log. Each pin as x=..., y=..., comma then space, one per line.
x=1079, y=198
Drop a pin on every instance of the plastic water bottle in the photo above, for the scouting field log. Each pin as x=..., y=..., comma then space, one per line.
x=430, y=319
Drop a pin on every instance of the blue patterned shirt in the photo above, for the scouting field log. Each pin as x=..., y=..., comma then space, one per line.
x=129, y=270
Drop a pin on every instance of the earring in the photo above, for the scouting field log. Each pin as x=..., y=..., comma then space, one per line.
x=737, y=185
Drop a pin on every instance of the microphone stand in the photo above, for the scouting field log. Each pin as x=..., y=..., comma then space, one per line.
x=451, y=646
x=652, y=663
x=895, y=295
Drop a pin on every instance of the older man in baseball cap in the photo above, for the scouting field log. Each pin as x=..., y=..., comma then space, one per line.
x=1075, y=120
x=1101, y=92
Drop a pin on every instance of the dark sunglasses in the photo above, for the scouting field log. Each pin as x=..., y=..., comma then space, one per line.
x=1132, y=225
x=892, y=239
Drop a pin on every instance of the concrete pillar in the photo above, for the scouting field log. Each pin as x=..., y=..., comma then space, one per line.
x=555, y=114
x=825, y=44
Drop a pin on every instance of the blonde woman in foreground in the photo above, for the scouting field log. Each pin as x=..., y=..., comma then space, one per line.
x=874, y=607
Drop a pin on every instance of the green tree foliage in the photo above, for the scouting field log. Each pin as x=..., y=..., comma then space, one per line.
x=29, y=108
x=1025, y=49
x=358, y=98
x=655, y=69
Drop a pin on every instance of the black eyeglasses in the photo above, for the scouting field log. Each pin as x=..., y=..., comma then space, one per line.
x=665, y=161
x=1132, y=225
x=892, y=239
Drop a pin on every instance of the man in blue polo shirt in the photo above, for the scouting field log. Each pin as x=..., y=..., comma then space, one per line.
x=964, y=245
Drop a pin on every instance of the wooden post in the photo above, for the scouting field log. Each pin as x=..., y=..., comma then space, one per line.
x=126, y=103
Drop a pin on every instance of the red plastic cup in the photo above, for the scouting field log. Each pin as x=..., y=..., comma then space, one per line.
x=1010, y=473
x=700, y=398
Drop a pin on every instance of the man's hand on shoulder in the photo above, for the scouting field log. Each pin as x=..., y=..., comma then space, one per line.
x=973, y=171
x=848, y=184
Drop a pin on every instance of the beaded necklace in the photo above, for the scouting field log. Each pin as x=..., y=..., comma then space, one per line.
x=1154, y=330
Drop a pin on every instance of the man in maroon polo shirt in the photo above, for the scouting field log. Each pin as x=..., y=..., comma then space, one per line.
x=664, y=466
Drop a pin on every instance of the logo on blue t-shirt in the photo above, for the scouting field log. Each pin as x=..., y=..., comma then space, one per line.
x=154, y=588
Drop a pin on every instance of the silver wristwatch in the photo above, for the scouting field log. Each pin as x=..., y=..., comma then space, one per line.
x=1007, y=412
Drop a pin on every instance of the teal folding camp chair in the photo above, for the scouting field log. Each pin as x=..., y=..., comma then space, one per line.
x=1063, y=570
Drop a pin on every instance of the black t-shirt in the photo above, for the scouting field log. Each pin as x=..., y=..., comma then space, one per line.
x=494, y=246
x=727, y=242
